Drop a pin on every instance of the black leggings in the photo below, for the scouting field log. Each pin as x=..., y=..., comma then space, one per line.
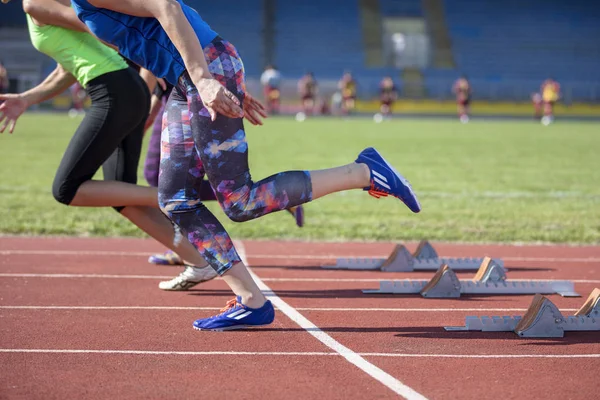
x=110, y=134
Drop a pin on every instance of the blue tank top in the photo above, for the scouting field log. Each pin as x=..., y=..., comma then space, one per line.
x=143, y=40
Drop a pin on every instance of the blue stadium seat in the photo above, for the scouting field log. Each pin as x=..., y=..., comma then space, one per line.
x=405, y=8
x=318, y=36
x=243, y=27
x=512, y=40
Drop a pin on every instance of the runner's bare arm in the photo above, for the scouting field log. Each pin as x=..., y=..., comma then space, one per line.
x=56, y=83
x=54, y=12
x=175, y=24
x=12, y=106
x=149, y=78
x=171, y=17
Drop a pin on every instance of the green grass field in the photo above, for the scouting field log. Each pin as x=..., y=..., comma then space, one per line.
x=488, y=181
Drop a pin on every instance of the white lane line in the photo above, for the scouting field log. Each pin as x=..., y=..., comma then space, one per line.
x=117, y=276
x=554, y=259
x=112, y=308
x=290, y=353
x=331, y=257
x=324, y=309
x=169, y=353
x=375, y=372
x=74, y=253
x=481, y=355
x=388, y=278
x=71, y=276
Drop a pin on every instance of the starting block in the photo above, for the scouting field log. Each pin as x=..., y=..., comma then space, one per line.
x=541, y=320
x=425, y=258
x=490, y=279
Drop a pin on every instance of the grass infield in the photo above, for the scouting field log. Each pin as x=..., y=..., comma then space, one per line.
x=488, y=181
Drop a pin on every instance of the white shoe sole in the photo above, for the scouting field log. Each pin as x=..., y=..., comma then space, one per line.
x=228, y=328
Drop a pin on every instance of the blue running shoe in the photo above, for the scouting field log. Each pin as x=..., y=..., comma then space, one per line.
x=235, y=315
x=385, y=180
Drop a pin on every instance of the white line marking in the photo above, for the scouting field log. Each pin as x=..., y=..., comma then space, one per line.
x=88, y=308
x=108, y=276
x=375, y=372
x=399, y=279
x=482, y=355
x=554, y=259
x=168, y=353
x=331, y=257
x=333, y=309
x=291, y=353
x=74, y=253
x=70, y=276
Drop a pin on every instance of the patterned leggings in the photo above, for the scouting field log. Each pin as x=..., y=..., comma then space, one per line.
x=192, y=145
x=152, y=163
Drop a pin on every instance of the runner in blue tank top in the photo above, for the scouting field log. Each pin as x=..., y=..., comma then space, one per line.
x=204, y=134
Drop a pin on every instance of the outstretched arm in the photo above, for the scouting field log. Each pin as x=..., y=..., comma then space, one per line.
x=15, y=105
x=54, y=12
x=56, y=83
x=169, y=14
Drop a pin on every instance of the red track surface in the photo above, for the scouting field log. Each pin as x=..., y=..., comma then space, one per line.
x=410, y=344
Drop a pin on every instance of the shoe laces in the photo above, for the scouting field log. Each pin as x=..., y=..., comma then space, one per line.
x=188, y=272
x=231, y=304
x=377, y=193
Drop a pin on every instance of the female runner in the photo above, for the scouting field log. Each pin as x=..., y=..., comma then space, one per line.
x=110, y=135
x=205, y=134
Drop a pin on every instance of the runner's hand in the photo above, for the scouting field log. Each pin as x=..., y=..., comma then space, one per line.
x=162, y=83
x=218, y=100
x=254, y=110
x=10, y=110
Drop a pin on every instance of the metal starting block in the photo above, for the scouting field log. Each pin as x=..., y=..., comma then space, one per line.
x=541, y=320
x=490, y=279
x=425, y=258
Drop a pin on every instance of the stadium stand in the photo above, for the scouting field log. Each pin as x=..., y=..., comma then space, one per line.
x=521, y=42
x=505, y=47
x=242, y=28
x=316, y=35
x=405, y=8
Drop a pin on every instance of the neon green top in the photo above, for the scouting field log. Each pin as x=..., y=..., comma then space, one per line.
x=84, y=56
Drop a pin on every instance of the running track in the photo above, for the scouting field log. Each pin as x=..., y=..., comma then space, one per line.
x=83, y=318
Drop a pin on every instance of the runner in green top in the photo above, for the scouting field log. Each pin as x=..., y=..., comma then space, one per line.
x=81, y=54
x=110, y=134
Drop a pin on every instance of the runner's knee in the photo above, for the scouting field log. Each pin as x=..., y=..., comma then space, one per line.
x=64, y=191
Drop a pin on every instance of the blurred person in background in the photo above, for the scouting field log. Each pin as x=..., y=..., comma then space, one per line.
x=387, y=95
x=325, y=108
x=271, y=81
x=536, y=99
x=4, y=82
x=336, y=103
x=347, y=85
x=308, y=89
x=462, y=91
x=550, y=94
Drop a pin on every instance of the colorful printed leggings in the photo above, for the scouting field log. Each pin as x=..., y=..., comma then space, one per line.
x=192, y=145
x=152, y=163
